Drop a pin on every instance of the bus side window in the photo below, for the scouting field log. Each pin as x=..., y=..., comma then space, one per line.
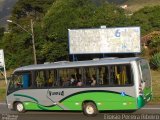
x=47, y=79
x=26, y=80
x=103, y=75
x=122, y=75
x=21, y=80
x=51, y=78
x=40, y=81
x=70, y=77
x=18, y=81
x=90, y=76
x=115, y=75
x=63, y=78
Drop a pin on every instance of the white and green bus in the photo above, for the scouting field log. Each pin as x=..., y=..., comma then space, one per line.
x=88, y=86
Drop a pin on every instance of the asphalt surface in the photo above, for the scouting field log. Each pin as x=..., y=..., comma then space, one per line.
x=148, y=112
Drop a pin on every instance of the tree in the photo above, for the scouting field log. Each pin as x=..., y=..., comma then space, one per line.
x=31, y=8
x=2, y=32
x=51, y=27
x=109, y=15
x=17, y=43
x=148, y=18
x=75, y=14
x=154, y=44
x=18, y=49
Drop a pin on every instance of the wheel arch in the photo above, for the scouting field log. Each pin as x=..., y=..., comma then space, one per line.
x=86, y=101
x=14, y=103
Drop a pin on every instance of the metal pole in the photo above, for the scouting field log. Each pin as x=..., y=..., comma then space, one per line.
x=34, y=50
x=32, y=34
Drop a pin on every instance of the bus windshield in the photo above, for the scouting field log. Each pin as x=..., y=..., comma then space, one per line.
x=145, y=72
x=19, y=80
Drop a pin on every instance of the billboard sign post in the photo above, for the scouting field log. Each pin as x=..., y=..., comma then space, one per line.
x=2, y=65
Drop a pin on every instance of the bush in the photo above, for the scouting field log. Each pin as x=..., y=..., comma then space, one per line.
x=155, y=44
x=155, y=61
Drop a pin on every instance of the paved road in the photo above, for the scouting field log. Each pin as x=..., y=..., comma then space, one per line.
x=146, y=113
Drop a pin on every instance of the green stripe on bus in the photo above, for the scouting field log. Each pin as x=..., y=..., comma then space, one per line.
x=91, y=91
x=34, y=106
x=22, y=95
x=103, y=100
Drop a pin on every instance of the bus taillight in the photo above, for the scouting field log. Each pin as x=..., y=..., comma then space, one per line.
x=140, y=89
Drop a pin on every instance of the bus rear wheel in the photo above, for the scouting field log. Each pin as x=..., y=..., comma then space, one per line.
x=90, y=109
x=19, y=107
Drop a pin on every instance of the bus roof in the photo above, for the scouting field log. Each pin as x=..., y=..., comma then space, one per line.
x=67, y=64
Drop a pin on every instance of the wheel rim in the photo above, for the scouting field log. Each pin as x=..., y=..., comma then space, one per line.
x=89, y=110
x=19, y=107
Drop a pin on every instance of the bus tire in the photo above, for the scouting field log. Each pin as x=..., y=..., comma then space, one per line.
x=90, y=109
x=19, y=107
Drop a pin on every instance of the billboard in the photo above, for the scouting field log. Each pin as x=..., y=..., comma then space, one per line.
x=106, y=40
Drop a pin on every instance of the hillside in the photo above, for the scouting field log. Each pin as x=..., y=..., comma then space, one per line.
x=117, y=1
x=134, y=5
x=1, y=4
x=5, y=10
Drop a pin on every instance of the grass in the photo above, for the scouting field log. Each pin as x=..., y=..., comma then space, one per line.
x=134, y=5
x=156, y=87
x=2, y=94
x=3, y=85
x=2, y=90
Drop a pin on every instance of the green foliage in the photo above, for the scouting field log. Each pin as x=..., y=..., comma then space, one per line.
x=155, y=42
x=34, y=8
x=148, y=18
x=66, y=14
x=155, y=61
x=53, y=18
x=110, y=16
x=75, y=14
x=52, y=51
x=17, y=43
x=18, y=49
x=1, y=32
x=40, y=40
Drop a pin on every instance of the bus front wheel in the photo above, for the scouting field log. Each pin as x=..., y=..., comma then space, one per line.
x=19, y=107
x=90, y=109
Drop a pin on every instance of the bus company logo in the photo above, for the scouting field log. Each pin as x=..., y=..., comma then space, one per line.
x=56, y=93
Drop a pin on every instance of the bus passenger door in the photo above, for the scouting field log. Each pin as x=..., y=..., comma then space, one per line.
x=52, y=84
x=53, y=94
